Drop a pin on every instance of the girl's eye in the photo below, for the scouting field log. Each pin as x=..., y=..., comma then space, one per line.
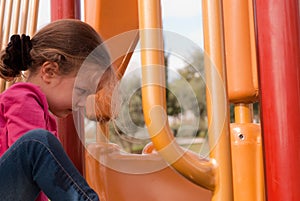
x=81, y=91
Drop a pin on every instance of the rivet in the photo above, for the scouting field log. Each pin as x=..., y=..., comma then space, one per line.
x=241, y=136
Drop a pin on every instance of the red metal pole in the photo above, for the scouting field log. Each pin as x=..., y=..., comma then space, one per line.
x=278, y=34
x=68, y=134
x=62, y=9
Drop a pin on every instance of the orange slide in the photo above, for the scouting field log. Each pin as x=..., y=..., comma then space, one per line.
x=122, y=176
x=157, y=176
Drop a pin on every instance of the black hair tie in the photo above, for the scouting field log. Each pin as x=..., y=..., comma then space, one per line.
x=26, y=46
x=18, y=53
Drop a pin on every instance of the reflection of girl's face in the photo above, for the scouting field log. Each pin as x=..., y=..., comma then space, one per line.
x=70, y=92
x=86, y=83
x=82, y=89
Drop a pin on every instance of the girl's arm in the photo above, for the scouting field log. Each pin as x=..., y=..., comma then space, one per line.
x=23, y=112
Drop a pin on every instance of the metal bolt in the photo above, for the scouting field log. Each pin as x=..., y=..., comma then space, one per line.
x=241, y=136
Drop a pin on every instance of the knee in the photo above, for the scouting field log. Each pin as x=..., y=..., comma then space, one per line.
x=33, y=143
x=38, y=134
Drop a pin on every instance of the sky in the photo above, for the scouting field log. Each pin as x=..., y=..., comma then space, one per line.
x=182, y=17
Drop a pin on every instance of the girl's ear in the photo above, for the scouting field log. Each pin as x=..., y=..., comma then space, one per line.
x=49, y=70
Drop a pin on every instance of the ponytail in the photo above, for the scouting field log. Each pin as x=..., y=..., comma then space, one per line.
x=16, y=57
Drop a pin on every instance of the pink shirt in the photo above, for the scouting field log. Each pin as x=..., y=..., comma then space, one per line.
x=23, y=107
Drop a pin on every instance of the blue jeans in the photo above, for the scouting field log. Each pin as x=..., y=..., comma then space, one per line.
x=38, y=162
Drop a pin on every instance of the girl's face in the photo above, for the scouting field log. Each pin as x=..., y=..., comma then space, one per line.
x=59, y=95
x=62, y=94
x=66, y=97
x=67, y=93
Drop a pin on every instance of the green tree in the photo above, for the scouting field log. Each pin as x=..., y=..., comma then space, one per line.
x=192, y=76
x=173, y=106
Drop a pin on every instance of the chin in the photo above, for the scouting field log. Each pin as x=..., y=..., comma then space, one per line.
x=62, y=114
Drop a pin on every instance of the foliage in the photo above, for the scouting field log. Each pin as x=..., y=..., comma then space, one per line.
x=192, y=78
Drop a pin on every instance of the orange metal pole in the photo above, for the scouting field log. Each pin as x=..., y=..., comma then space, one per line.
x=217, y=101
x=2, y=85
x=240, y=51
x=15, y=26
x=247, y=157
x=2, y=12
x=7, y=23
x=6, y=34
x=241, y=64
x=189, y=165
x=24, y=16
x=16, y=16
x=34, y=8
x=243, y=113
x=247, y=165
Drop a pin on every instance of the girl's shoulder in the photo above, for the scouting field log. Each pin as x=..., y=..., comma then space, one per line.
x=23, y=91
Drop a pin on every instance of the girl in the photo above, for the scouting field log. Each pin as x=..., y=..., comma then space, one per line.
x=53, y=58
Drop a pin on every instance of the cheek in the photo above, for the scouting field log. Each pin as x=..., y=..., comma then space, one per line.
x=63, y=99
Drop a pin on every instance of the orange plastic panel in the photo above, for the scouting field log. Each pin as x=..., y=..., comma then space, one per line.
x=247, y=162
x=112, y=184
x=111, y=18
x=117, y=23
x=240, y=51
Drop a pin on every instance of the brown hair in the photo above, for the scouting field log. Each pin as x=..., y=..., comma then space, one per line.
x=67, y=42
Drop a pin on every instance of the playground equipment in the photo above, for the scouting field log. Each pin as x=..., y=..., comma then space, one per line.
x=11, y=22
x=252, y=55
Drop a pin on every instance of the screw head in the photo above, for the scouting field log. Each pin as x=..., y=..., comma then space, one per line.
x=241, y=136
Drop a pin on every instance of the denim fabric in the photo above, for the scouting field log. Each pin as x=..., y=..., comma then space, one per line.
x=38, y=162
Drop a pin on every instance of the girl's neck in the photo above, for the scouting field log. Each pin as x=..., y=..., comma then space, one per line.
x=34, y=79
